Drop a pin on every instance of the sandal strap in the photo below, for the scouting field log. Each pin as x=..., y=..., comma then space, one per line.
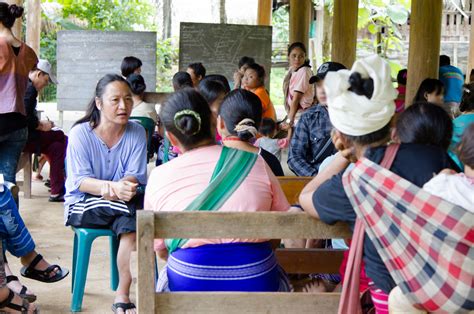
x=124, y=306
x=8, y=303
x=12, y=278
x=34, y=262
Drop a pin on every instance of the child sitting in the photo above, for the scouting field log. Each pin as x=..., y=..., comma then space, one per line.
x=268, y=129
x=254, y=79
x=457, y=188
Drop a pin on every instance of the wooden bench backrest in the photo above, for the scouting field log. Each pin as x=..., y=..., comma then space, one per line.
x=292, y=187
x=266, y=225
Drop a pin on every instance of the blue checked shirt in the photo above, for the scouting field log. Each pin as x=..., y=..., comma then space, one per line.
x=310, y=135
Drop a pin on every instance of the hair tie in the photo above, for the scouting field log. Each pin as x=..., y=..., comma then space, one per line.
x=246, y=125
x=187, y=112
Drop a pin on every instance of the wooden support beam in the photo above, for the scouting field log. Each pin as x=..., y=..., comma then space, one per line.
x=16, y=29
x=300, y=18
x=344, y=31
x=470, y=61
x=33, y=25
x=425, y=41
x=264, y=15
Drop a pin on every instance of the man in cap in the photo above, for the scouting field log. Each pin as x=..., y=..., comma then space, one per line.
x=42, y=139
x=311, y=142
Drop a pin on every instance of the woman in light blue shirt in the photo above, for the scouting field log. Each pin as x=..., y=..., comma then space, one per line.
x=106, y=162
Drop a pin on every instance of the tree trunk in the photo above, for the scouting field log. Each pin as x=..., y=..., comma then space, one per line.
x=33, y=25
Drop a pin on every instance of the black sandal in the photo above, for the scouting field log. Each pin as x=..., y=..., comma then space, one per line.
x=43, y=275
x=29, y=297
x=23, y=308
x=123, y=306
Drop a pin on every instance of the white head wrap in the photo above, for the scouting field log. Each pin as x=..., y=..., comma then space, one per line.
x=354, y=114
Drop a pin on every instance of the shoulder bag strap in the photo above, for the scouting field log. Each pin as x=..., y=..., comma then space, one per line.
x=350, y=296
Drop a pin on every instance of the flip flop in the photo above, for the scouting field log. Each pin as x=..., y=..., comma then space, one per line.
x=28, y=297
x=123, y=306
x=43, y=275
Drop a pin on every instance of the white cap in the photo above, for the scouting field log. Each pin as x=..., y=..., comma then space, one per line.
x=44, y=66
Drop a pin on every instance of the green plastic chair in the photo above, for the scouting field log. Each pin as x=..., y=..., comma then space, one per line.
x=149, y=126
x=83, y=238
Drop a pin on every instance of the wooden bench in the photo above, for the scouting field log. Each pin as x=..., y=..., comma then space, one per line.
x=25, y=163
x=266, y=225
x=305, y=261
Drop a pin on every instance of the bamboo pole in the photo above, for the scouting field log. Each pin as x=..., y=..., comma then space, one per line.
x=33, y=25
x=300, y=18
x=344, y=31
x=264, y=15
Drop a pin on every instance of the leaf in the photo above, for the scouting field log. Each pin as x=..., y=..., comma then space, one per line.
x=363, y=17
x=397, y=13
x=372, y=28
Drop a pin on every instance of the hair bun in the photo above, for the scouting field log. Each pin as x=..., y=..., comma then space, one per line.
x=246, y=129
x=188, y=125
x=361, y=86
x=15, y=10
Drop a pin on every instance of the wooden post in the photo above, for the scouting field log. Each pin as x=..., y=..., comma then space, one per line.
x=146, y=261
x=425, y=41
x=300, y=18
x=33, y=25
x=344, y=31
x=264, y=15
x=470, y=61
x=16, y=29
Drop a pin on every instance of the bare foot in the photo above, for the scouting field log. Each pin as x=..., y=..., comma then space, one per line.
x=124, y=299
x=316, y=285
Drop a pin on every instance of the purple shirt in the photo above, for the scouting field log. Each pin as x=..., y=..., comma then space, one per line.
x=88, y=156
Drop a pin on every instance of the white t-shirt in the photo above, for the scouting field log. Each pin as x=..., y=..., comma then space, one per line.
x=457, y=189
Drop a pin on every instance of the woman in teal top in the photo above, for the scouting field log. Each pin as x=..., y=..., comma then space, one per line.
x=463, y=121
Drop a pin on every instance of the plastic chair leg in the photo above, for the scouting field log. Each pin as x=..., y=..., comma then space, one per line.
x=114, y=276
x=74, y=259
x=82, y=265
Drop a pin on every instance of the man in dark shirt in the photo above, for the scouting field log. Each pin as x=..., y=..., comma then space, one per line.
x=42, y=139
x=311, y=141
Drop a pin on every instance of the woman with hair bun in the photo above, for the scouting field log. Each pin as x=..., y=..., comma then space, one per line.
x=240, y=116
x=200, y=179
x=16, y=62
x=140, y=107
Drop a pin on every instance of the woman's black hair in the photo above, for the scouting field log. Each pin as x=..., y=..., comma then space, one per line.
x=182, y=80
x=129, y=65
x=238, y=105
x=466, y=147
x=187, y=116
x=425, y=123
x=296, y=45
x=402, y=77
x=198, y=68
x=137, y=84
x=429, y=86
x=467, y=101
x=211, y=90
x=92, y=113
x=361, y=86
x=371, y=138
x=259, y=70
x=267, y=127
x=9, y=13
x=246, y=61
x=221, y=79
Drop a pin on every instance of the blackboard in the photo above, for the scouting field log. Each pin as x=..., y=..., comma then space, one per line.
x=220, y=46
x=86, y=56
